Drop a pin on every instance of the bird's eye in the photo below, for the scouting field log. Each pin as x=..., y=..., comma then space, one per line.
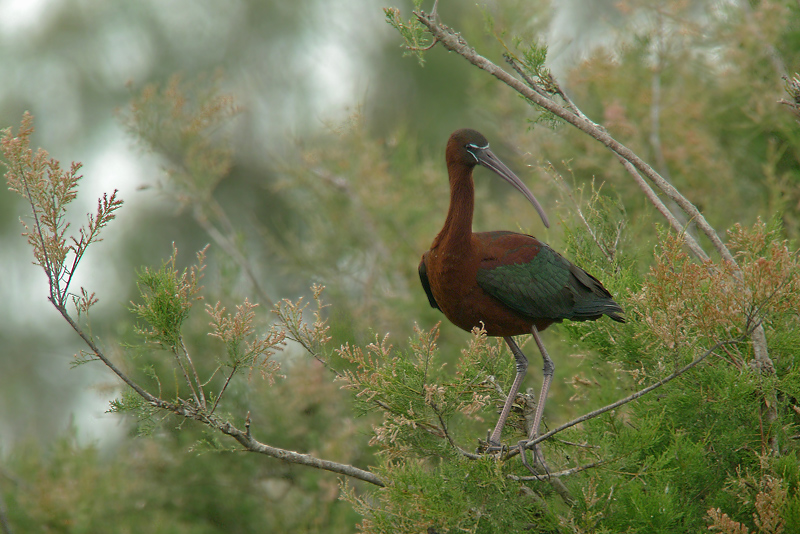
x=474, y=149
x=471, y=148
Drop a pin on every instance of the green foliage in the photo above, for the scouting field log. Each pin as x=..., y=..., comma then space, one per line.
x=792, y=88
x=418, y=399
x=166, y=300
x=69, y=488
x=167, y=297
x=529, y=62
x=663, y=463
x=693, y=440
x=357, y=179
x=412, y=31
x=454, y=495
x=701, y=452
x=131, y=403
x=432, y=482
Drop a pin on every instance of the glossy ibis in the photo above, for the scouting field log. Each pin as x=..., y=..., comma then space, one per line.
x=509, y=283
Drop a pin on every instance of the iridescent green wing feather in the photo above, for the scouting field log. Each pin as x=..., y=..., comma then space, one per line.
x=532, y=279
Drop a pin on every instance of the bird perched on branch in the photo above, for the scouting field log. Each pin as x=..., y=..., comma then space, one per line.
x=509, y=283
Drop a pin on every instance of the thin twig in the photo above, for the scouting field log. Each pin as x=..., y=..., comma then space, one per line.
x=424, y=49
x=55, y=298
x=230, y=248
x=609, y=254
x=450, y=440
x=518, y=69
x=186, y=375
x=194, y=372
x=673, y=221
x=563, y=473
x=298, y=338
x=222, y=391
x=497, y=387
x=244, y=438
x=581, y=445
x=108, y=363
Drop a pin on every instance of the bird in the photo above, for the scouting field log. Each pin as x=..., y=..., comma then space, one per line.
x=508, y=283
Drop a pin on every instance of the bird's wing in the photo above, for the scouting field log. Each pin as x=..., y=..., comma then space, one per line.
x=426, y=285
x=531, y=278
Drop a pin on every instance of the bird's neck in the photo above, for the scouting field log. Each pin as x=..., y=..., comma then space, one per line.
x=456, y=233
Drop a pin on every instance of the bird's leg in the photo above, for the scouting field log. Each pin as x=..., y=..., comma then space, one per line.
x=522, y=368
x=548, y=371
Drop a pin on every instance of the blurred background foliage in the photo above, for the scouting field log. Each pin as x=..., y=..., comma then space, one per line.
x=315, y=155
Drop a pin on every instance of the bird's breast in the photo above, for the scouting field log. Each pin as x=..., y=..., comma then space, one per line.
x=453, y=282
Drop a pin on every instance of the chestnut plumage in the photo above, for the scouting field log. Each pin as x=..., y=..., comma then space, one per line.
x=509, y=283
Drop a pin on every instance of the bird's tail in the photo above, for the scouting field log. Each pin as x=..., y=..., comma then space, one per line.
x=590, y=310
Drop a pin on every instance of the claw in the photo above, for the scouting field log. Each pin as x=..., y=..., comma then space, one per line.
x=490, y=447
x=538, y=460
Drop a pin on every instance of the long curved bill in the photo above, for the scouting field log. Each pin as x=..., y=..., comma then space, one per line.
x=487, y=158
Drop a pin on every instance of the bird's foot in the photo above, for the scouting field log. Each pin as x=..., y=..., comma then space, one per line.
x=490, y=447
x=539, y=467
x=487, y=447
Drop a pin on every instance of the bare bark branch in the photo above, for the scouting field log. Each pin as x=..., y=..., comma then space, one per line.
x=197, y=413
x=222, y=392
x=197, y=384
x=562, y=473
x=108, y=363
x=673, y=221
x=254, y=445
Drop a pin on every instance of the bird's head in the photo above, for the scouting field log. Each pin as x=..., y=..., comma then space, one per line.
x=469, y=148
